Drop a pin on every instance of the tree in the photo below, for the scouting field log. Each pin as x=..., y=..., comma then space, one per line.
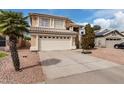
x=13, y=25
x=96, y=27
x=89, y=38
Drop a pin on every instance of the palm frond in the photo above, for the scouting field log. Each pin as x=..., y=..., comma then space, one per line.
x=3, y=24
x=13, y=23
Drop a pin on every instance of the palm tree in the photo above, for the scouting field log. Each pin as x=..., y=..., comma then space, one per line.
x=13, y=24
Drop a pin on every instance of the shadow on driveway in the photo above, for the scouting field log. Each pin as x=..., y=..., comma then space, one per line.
x=51, y=61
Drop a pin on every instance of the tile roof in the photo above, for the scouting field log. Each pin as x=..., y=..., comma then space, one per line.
x=51, y=31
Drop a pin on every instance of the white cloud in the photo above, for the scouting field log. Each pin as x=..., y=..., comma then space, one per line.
x=105, y=13
x=105, y=23
x=85, y=23
x=116, y=21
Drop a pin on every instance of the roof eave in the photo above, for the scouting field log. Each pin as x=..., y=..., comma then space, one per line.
x=56, y=16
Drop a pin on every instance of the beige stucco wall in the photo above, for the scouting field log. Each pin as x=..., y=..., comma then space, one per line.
x=35, y=21
x=34, y=42
x=72, y=42
x=100, y=42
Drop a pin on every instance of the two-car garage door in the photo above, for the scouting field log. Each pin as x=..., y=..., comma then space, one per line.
x=54, y=43
x=110, y=42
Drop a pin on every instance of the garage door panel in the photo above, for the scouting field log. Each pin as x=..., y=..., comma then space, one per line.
x=54, y=44
x=111, y=43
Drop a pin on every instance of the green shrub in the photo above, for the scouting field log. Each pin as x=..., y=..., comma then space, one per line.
x=3, y=54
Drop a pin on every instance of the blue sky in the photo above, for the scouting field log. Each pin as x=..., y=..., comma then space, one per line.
x=107, y=19
x=77, y=15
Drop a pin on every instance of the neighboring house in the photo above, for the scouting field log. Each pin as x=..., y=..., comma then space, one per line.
x=122, y=32
x=49, y=32
x=2, y=41
x=107, y=38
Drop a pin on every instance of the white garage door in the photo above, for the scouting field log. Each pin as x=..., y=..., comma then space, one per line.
x=54, y=43
x=111, y=42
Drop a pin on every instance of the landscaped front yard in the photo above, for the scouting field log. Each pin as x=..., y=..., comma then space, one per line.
x=30, y=65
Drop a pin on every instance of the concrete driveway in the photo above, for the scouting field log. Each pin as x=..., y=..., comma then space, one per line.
x=65, y=64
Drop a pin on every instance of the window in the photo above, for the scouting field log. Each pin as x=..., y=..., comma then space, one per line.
x=107, y=38
x=113, y=39
x=45, y=37
x=44, y=22
x=67, y=28
x=119, y=39
x=2, y=41
x=58, y=23
x=67, y=37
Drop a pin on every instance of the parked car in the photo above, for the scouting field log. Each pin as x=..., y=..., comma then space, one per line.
x=121, y=45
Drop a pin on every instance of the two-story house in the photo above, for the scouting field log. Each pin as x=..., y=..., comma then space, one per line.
x=49, y=32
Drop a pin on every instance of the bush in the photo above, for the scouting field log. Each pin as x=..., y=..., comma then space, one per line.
x=3, y=54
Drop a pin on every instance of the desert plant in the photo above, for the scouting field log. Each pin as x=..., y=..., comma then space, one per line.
x=13, y=24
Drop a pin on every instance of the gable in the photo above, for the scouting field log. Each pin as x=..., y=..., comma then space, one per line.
x=114, y=34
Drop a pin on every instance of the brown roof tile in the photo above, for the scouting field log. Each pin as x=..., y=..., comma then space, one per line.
x=51, y=31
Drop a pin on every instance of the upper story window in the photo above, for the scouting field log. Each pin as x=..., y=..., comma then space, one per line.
x=58, y=23
x=44, y=22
